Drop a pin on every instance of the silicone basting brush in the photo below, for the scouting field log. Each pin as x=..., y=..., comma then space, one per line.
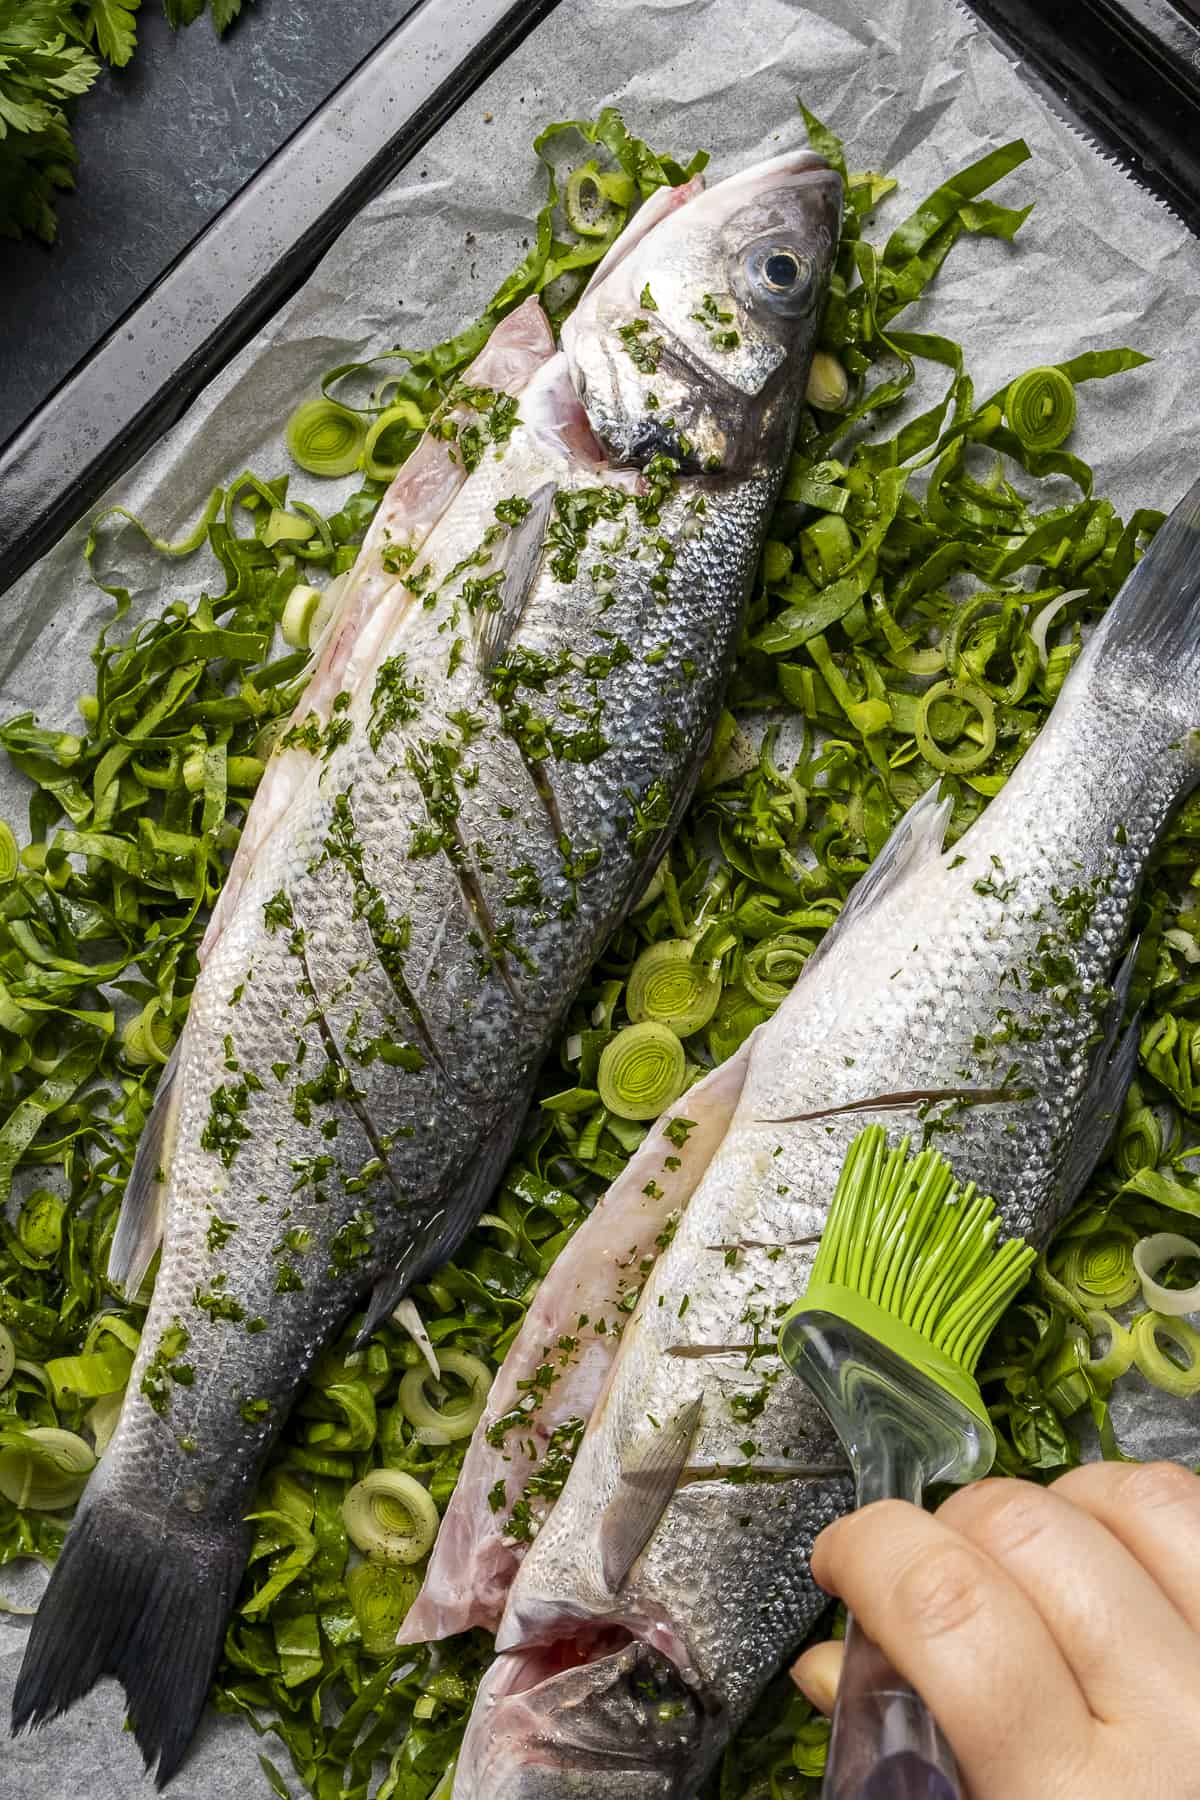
x=906, y=1286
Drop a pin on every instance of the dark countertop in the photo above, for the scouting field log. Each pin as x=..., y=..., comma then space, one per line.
x=163, y=144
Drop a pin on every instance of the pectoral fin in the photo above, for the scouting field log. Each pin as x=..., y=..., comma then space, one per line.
x=142, y=1217
x=408, y=1317
x=915, y=842
x=520, y=560
x=649, y=1476
x=436, y=1241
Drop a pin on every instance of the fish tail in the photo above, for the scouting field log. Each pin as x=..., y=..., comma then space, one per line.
x=1146, y=651
x=135, y=1597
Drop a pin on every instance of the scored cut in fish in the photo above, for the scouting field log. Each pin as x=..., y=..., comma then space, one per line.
x=976, y=994
x=506, y=719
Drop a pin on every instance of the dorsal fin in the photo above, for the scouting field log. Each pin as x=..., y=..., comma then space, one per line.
x=143, y=1210
x=649, y=1476
x=520, y=559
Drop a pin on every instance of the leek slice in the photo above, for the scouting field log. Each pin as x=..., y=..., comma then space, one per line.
x=1040, y=408
x=956, y=762
x=457, y=1416
x=42, y=1468
x=325, y=438
x=1181, y=1380
x=668, y=986
x=389, y=1515
x=1152, y=1254
x=642, y=1071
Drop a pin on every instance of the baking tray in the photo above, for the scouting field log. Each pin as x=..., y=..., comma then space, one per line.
x=240, y=269
x=1126, y=72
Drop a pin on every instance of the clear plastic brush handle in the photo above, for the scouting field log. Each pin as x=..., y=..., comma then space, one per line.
x=902, y=1432
x=886, y=1744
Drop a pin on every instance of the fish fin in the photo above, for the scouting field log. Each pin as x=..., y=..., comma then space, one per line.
x=649, y=1476
x=140, y=1599
x=409, y=1319
x=437, y=1240
x=521, y=560
x=1104, y=1096
x=915, y=841
x=1122, y=982
x=142, y=1217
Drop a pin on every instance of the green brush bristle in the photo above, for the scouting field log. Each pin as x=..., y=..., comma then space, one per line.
x=903, y=1234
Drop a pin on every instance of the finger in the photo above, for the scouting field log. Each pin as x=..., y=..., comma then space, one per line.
x=968, y=1639
x=1154, y=1509
x=1096, y=1599
x=817, y=1673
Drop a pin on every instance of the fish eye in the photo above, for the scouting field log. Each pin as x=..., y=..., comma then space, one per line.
x=782, y=271
x=779, y=276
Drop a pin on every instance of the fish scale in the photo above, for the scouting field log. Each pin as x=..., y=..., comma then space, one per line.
x=504, y=723
x=968, y=997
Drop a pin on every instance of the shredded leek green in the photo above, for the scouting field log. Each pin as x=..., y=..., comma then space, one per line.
x=884, y=675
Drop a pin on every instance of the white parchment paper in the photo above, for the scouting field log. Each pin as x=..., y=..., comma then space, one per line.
x=916, y=89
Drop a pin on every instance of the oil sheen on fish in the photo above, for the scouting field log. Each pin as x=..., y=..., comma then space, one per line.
x=506, y=718
x=975, y=994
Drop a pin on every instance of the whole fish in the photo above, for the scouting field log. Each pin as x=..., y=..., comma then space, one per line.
x=969, y=994
x=507, y=716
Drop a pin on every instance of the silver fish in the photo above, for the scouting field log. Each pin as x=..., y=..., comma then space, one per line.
x=971, y=994
x=506, y=718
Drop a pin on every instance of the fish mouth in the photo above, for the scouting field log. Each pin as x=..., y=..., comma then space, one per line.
x=596, y=1713
x=532, y=1665
x=531, y=1622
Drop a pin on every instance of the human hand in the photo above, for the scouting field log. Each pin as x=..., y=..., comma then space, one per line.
x=1054, y=1632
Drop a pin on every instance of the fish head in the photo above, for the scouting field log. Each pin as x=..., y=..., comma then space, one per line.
x=694, y=336
x=604, y=1717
